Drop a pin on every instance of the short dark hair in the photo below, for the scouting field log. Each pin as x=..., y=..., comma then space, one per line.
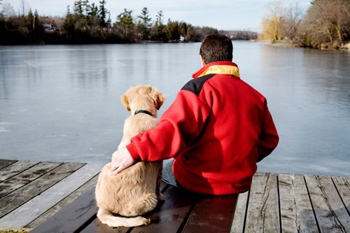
x=216, y=47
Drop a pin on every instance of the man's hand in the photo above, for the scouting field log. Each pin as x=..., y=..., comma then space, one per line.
x=121, y=159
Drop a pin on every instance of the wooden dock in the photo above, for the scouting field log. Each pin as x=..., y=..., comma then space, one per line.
x=59, y=197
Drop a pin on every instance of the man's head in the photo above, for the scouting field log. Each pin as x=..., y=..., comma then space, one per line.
x=216, y=47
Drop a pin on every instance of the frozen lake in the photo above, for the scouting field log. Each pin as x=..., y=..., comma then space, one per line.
x=61, y=103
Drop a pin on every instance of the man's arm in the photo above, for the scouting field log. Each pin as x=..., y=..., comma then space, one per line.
x=269, y=136
x=179, y=126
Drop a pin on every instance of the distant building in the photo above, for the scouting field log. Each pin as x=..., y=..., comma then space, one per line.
x=48, y=27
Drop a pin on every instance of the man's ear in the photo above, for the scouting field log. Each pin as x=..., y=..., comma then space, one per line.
x=125, y=101
x=202, y=61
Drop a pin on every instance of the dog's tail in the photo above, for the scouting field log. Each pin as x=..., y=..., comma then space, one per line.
x=108, y=218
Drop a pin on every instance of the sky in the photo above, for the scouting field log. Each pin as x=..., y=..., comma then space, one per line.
x=220, y=14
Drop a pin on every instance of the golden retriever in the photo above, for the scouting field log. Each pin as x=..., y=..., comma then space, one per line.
x=134, y=191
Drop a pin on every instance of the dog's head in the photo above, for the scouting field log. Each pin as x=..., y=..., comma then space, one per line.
x=143, y=97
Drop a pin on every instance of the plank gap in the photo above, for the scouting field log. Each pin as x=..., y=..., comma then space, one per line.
x=341, y=197
x=187, y=216
x=312, y=205
x=279, y=202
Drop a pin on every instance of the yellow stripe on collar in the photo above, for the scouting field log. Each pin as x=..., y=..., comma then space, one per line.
x=221, y=69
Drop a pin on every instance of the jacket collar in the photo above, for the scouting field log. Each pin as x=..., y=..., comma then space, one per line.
x=221, y=67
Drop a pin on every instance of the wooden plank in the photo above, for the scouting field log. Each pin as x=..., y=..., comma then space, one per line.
x=97, y=226
x=212, y=214
x=26, y=177
x=240, y=213
x=263, y=209
x=25, y=214
x=26, y=193
x=5, y=163
x=15, y=168
x=296, y=210
x=63, y=203
x=330, y=211
x=343, y=187
x=170, y=214
x=73, y=216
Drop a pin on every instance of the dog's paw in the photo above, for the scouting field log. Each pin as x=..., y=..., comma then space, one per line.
x=161, y=197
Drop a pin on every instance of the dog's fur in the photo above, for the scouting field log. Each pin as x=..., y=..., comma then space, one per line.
x=134, y=191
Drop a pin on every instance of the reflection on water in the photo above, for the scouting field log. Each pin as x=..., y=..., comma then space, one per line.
x=61, y=103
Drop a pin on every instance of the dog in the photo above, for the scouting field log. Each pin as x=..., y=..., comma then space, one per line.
x=136, y=190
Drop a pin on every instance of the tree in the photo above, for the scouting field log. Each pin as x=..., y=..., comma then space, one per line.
x=291, y=21
x=92, y=15
x=30, y=24
x=190, y=36
x=183, y=29
x=272, y=21
x=126, y=23
x=328, y=21
x=23, y=11
x=173, y=30
x=8, y=10
x=78, y=8
x=144, y=24
x=159, y=32
x=103, y=13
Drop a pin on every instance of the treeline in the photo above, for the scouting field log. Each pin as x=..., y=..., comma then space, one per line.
x=326, y=24
x=90, y=23
x=241, y=35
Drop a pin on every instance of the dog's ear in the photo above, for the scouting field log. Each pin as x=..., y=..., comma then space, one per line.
x=125, y=101
x=158, y=97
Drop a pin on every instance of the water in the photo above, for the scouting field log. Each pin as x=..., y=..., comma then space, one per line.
x=61, y=103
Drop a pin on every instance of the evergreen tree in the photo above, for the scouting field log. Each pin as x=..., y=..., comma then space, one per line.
x=78, y=9
x=125, y=23
x=102, y=13
x=30, y=20
x=160, y=33
x=144, y=24
x=173, y=30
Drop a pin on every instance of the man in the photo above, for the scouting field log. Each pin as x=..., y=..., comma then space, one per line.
x=216, y=130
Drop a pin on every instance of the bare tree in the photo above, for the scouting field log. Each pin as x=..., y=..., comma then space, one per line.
x=8, y=10
x=23, y=8
x=292, y=21
x=273, y=21
x=328, y=21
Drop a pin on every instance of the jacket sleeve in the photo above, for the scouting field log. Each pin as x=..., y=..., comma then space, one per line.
x=178, y=127
x=268, y=137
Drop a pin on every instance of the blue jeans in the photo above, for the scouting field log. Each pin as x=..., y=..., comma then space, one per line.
x=168, y=175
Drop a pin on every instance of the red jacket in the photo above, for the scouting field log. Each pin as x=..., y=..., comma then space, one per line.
x=217, y=129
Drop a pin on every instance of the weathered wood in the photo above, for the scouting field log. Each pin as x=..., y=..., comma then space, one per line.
x=15, y=168
x=170, y=215
x=5, y=163
x=263, y=209
x=296, y=210
x=63, y=203
x=211, y=214
x=240, y=213
x=72, y=217
x=287, y=203
x=28, y=192
x=26, y=177
x=26, y=213
x=330, y=211
x=343, y=187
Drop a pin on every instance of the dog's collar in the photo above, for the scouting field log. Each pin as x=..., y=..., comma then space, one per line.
x=143, y=111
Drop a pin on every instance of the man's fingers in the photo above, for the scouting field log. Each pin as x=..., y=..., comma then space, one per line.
x=117, y=170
